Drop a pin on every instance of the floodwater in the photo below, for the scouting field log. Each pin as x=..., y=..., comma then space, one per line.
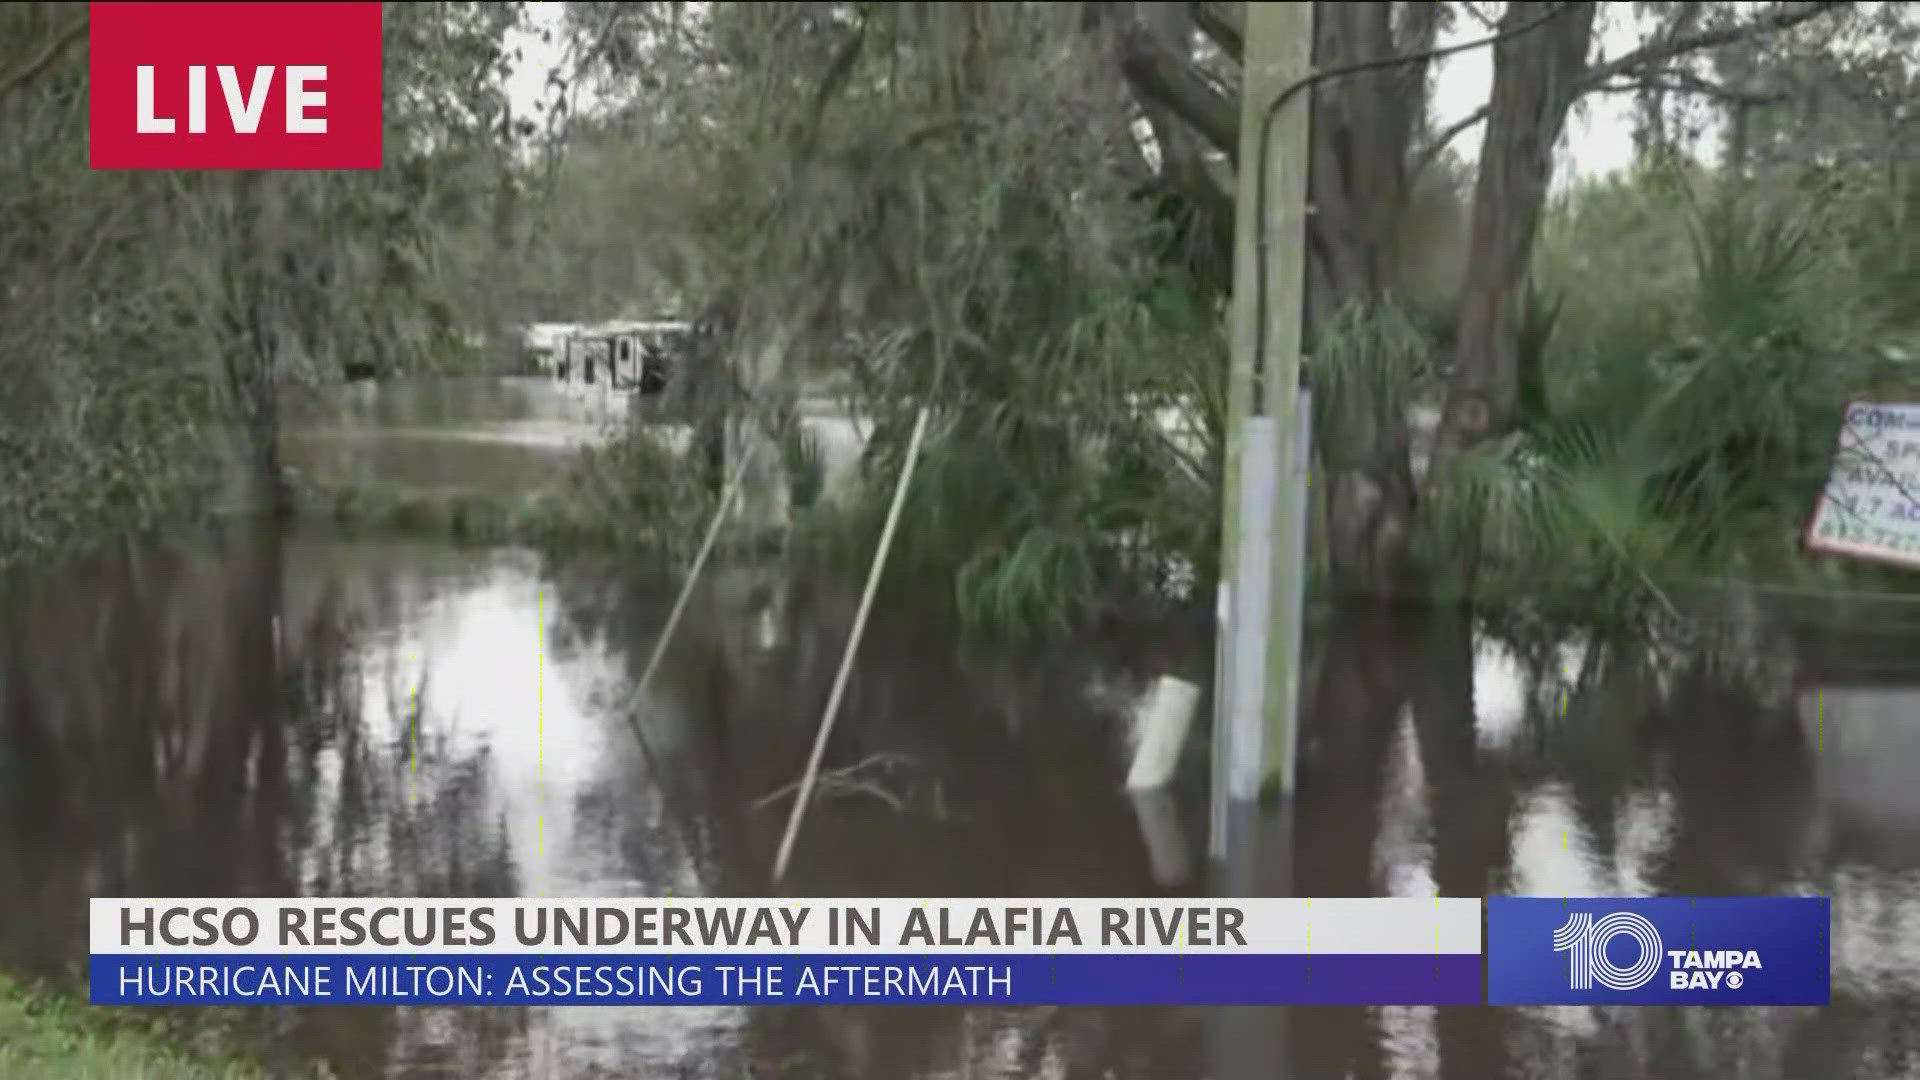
x=307, y=714
x=493, y=435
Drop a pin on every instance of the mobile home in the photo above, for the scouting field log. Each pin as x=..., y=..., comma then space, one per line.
x=627, y=356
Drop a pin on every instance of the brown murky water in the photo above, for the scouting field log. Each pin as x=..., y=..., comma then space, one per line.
x=439, y=721
x=490, y=435
x=282, y=715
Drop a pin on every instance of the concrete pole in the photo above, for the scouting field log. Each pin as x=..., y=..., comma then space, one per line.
x=1254, y=728
x=1283, y=746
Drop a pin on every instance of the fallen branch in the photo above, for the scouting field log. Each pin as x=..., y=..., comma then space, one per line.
x=846, y=780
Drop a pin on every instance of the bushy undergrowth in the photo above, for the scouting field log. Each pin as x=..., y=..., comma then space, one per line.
x=635, y=493
x=1050, y=489
x=132, y=449
x=49, y=1035
x=1688, y=418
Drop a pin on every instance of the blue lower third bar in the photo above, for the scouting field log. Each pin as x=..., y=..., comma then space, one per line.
x=913, y=979
x=1744, y=950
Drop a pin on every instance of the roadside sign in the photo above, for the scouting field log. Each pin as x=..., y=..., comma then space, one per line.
x=1870, y=508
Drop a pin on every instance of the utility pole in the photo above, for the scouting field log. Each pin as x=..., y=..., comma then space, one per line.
x=1262, y=574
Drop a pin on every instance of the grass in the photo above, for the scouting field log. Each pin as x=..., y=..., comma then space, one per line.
x=474, y=517
x=52, y=1035
x=628, y=495
x=478, y=517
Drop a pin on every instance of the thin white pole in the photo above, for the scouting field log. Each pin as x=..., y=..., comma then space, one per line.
x=693, y=572
x=853, y=644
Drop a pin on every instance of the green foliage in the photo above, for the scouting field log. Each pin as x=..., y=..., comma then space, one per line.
x=948, y=206
x=805, y=465
x=1692, y=448
x=637, y=494
x=149, y=320
x=95, y=435
x=49, y=1035
x=1368, y=366
x=129, y=455
x=1049, y=489
x=1832, y=128
x=924, y=198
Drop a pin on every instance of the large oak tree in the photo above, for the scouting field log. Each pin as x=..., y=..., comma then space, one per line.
x=1370, y=139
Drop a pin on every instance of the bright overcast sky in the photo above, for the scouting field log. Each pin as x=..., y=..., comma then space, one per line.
x=1599, y=135
x=527, y=86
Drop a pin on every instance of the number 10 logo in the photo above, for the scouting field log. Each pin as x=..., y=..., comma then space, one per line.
x=1586, y=940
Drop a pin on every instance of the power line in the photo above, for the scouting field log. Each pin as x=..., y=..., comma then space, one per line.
x=1258, y=402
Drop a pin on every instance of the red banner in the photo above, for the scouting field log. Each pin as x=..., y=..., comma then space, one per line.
x=235, y=86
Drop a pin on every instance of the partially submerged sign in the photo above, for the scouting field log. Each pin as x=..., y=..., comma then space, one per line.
x=1871, y=506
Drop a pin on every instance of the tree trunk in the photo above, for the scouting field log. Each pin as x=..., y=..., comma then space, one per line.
x=1363, y=131
x=1370, y=521
x=248, y=349
x=705, y=384
x=738, y=373
x=1537, y=76
x=1363, y=128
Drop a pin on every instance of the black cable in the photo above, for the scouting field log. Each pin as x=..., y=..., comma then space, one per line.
x=1257, y=403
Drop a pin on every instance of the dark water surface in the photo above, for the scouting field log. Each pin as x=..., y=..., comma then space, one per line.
x=317, y=715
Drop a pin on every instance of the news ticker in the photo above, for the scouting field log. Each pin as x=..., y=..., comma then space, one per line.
x=706, y=951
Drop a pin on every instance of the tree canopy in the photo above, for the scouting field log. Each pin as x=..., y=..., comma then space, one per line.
x=1021, y=214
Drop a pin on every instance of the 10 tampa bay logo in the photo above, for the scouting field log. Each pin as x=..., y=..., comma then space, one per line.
x=1586, y=940
x=1658, y=950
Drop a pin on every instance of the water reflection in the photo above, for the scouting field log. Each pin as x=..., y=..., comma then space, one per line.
x=492, y=436
x=261, y=716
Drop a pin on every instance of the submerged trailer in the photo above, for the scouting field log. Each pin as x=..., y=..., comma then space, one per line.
x=632, y=357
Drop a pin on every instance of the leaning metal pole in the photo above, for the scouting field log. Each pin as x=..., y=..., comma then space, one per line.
x=693, y=572
x=853, y=645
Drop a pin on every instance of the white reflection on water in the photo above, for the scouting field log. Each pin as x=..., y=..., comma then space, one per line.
x=1499, y=694
x=1552, y=855
x=1403, y=851
x=1643, y=831
x=1403, y=866
x=461, y=661
x=1551, y=851
x=1866, y=742
x=545, y=723
x=1506, y=695
x=1876, y=929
